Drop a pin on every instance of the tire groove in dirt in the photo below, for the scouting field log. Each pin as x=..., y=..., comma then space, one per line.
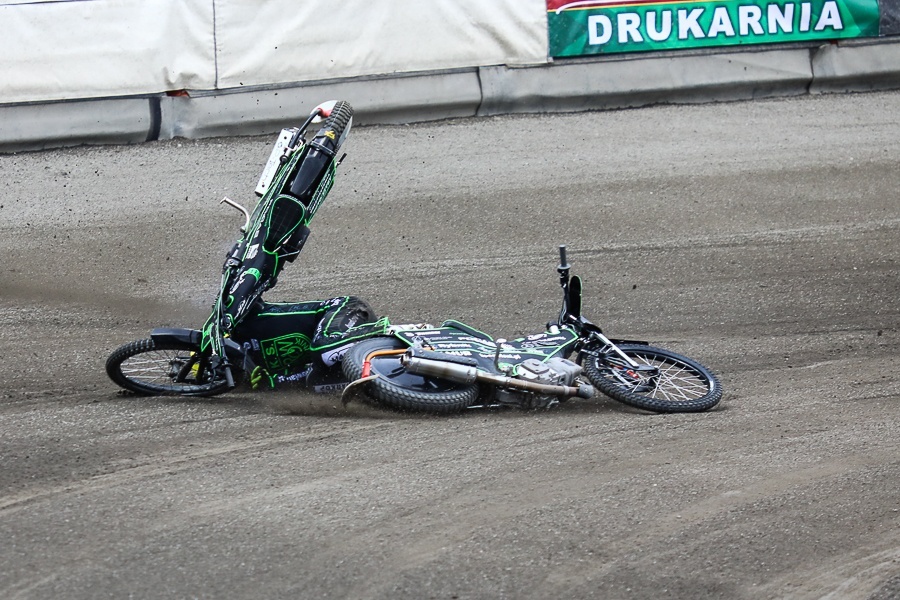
x=760, y=238
x=130, y=473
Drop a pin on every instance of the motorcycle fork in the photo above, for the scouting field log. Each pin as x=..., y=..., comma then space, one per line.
x=609, y=345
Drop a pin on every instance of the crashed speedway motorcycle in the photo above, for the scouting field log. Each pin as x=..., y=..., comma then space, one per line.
x=297, y=177
x=454, y=366
x=411, y=367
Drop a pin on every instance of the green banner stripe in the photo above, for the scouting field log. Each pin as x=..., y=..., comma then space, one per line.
x=644, y=26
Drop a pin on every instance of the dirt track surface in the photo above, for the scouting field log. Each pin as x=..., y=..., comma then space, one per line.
x=760, y=238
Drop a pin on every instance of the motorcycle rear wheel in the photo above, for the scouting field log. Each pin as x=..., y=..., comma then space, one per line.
x=339, y=118
x=164, y=368
x=682, y=384
x=397, y=388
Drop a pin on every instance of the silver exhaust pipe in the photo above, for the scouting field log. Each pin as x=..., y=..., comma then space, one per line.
x=467, y=374
x=440, y=369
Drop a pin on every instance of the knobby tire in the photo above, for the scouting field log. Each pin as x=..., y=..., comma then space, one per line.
x=683, y=384
x=164, y=368
x=398, y=389
x=338, y=119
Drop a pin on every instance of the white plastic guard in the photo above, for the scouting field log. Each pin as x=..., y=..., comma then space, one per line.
x=271, y=168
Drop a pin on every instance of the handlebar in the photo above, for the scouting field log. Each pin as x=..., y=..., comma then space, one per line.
x=233, y=204
x=563, y=270
x=563, y=263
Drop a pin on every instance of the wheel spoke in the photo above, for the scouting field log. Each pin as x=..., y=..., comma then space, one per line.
x=149, y=367
x=676, y=383
x=158, y=365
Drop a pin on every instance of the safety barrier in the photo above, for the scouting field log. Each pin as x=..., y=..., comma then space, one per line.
x=126, y=71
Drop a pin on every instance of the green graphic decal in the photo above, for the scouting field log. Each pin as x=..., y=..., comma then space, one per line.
x=322, y=191
x=285, y=351
x=603, y=27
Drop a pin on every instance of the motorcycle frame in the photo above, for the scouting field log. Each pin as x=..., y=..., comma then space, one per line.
x=570, y=315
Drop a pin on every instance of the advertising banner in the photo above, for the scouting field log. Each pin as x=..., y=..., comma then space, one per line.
x=587, y=27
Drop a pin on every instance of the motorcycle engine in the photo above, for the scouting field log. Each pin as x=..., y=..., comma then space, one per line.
x=556, y=371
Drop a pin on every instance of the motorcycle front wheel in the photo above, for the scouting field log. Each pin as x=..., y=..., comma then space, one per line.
x=676, y=384
x=397, y=388
x=164, y=368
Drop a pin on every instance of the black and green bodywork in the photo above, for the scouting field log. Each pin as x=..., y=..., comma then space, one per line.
x=454, y=338
x=277, y=228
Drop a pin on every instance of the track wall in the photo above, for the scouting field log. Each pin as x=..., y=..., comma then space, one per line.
x=125, y=71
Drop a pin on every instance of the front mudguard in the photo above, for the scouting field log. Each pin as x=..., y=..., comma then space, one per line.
x=194, y=337
x=177, y=334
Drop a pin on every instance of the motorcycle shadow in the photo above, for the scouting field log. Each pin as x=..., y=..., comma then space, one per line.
x=298, y=402
x=309, y=404
x=302, y=403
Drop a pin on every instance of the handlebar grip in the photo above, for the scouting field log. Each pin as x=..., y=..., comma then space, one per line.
x=562, y=257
